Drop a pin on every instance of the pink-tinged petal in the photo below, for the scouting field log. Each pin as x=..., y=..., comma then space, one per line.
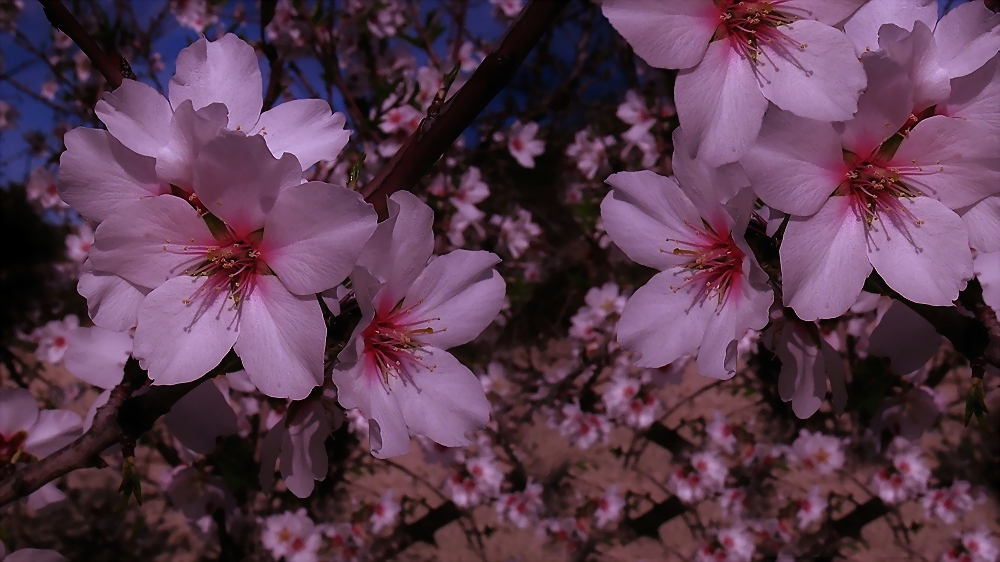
x=442, y=400
x=201, y=417
x=145, y=242
x=836, y=373
x=745, y=308
x=314, y=235
x=184, y=330
x=823, y=262
x=457, y=295
x=947, y=159
x=238, y=180
x=303, y=455
x=44, y=496
x=905, y=338
x=307, y=129
x=189, y=131
x=967, y=37
x=795, y=163
x=281, y=341
x=137, y=115
x=882, y=109
x=976, y=98
x=704, y=184
x=645, y=214
x=401, y=245
x=642, y=328
x=927, y=262
x=812, y=72
x=18, y=411
x=54, y=430
x=982, y=220
x=830, y=12
x=97, y=356
x=863, y=26
x=802, y=380
x=917, y=53
x=671, y=34
x=720, y=105
x=101, y=400
x=987, y=269
x=113, y=303
x=223, y=71
x=97, y=174
x=360, y=385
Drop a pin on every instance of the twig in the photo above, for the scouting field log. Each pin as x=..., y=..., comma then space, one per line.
x=113, y=67
x=435, y=135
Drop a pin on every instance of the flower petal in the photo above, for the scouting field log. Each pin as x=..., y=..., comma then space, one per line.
x=54, y=430
x=97, y=174
x=987, y=268
x=645, y=214
x=189, y=131
x=795, y=163
x=18, y=411
x=948, y=159
x=200, y=417
x=928, y=261
x=671, y=34
x=401, y=245
x=983, y=223
x=720, y=105
x=113, y=303
x=917, y=53
x=823, y=263
x=238, y=180
x=812, y=72
x=442, y=399
x=802, y=380
x=458, y=295
x=308, y=129
x=137, y=115
x=314, y=235
x=97, y=356
x=905, y=337
x=863, y=26
x=882, y=109
x=223, y=71
x=705, y=185
x=830, y=12
x=281, y=341
x=184, y=330
x=303, y=456
x=642, y=328
x=360, y=385
x=976, y=98
x=147, y=242
x=745, y=307
x=967, y=36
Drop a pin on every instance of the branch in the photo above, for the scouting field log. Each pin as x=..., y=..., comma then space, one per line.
x=112, y=66
x=437, y=132
x=123, y=417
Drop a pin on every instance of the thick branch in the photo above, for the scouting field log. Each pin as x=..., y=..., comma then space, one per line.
x=437, y=132
x=111, y=66
x=122, y=417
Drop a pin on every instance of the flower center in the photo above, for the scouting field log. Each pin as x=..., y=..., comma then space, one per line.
x=10, y=447
x=231, y=267
x=749, y=24
x=875, y=191
x=390, y=344
x=714, y=265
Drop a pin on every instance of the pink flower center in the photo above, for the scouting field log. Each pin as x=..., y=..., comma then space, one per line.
x=749, y=24
x=715, y=262
x=389, y=341
x=231, y=267
x=517, y=144
x=9, y=447
x=876, y=192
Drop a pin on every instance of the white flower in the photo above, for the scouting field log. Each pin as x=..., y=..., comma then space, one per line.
x=818, y=452
x=292, y=535
x=949, y=504
x=78, y=244
x=583, y=429
x=384, y=512
x=41, y=187
x=589, y=152
x=609, y=507
x=193, y=14
x=516, y=234
x=523, y=145
x=705, y=474
x=478, y=483
x=510, y=8
x=52, y=338
x=26, y=432
x=521, y=508
x=721, y=432
x=811, y=508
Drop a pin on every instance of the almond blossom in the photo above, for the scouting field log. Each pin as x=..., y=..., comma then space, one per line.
x=709, y=283
x=385, y=512
x=236, y=265
x=523, y=145
x=521, y=508
x=807, y=363
x=296, y=441
x=863, y=196
x=26, y=432
x=293, y=536
x=818, y=452
x=52, y=338
x=395, y=368
x=737, y=55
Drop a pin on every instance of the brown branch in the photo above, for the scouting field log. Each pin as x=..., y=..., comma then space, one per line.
x=436, y=133
x=112, y=66
x=123, y=417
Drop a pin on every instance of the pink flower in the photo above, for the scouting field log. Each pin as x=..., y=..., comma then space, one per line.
x=293, y=536
x=811, y=508
x=709, y=284
x=26, y=432
x=395, y=368
x=807, y=363
x=236, y=264
x=53, y=338
x=153, y=142
x=41, y=187
x=510, y=8
x=609, y=507
x=521, y=508
x=78, y=244
x=523, y=145
x=297, y=443
x=737, y=55
x=818, y=452
x=385, y=512
x=858, y=202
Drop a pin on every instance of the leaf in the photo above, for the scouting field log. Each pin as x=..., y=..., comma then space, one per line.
x=131, y=484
